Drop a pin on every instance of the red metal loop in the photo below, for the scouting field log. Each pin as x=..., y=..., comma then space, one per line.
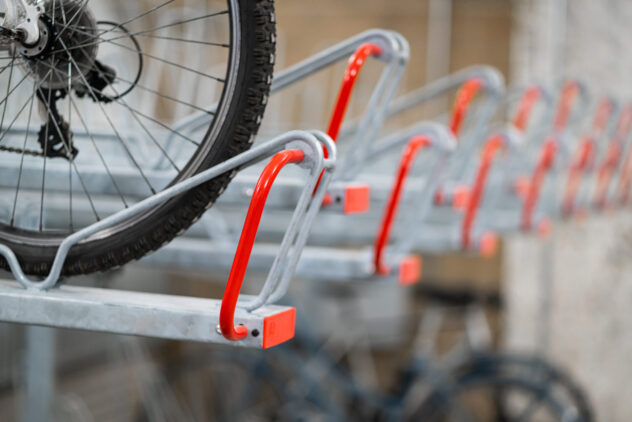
x=625, y=180
x=585, y=155
x=247, y=240
x=581, y=161
x=356, y=62
x=525, y=107
x=624, y=125
x=405, y=164
x=545, y=161
x=489, y=152
x=602, y=116
x=570, y=93
x=613, y=157
x=462, y=104
x=605, y=173
x=351, y=74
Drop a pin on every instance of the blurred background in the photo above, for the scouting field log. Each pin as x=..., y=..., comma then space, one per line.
x=564, y=297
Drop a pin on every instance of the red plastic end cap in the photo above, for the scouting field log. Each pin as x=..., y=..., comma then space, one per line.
x=410, y=270
x=461, y=197
x=521, y=186
x=279, y=328
x=327, y=200
x=488, y=244
x=357, y=199
x=581, y=214
x=439, y=198
x=544, y=228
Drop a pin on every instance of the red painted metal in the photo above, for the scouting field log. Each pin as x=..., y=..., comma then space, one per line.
x=247, y=240
x=356, y=62
x=613, y=157
x=570, y=93
x=351, y=75
x=625, y=180
x=602, y=116
x=525, y=107
x=464, y=97
x=490, y=149
x=581, y=161
x=462, y=104
x=585, y=155
x=545, y=161
x=405, y=164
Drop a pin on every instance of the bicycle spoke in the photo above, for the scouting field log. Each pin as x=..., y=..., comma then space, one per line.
x=156, y=121
x=534, y=404
x=15, y=87
x=140, y=16
x=26, y=137
x=85, y=191
x=4, y=108
x=162, y=37
x=19, y=113
x=69, y=21
x=212, y=44
x=71, y=163
x=41, y=221
x=86, y=95
x=124, y=103
x=159, y=123
x=139, y=113
x=167, y=97
x=94, y=143
x=111, y=123
x=151, y=56
x=100, y=40
x=68, y=149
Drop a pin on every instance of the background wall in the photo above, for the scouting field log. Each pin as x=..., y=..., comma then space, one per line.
x=569, y=299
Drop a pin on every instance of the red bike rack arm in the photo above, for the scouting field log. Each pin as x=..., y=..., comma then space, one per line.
x=525, y=107
x=464, y=97
x=247, y=240
x=490, y=150
x=356, y=62
x=602, y=116
x=521, y=121
x=613, y=156
x=625, y=181
x=584, y=156
x=545, y=161
x=462, y=104
x=570, y=94
x=414, y=146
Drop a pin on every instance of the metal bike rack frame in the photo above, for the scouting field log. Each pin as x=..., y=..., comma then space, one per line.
x=262, y=325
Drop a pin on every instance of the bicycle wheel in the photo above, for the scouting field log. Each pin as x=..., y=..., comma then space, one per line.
x=119, y=100
x=504, y=388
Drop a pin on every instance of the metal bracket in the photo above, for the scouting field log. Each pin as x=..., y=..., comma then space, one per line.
x=43, y=302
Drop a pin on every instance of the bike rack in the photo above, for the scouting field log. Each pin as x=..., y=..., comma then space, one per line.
x=261, y=324
x=583, y=161
x=458, y=195
x=316, y=261
x=332, y=263
x=613, y=159
x=346, y=197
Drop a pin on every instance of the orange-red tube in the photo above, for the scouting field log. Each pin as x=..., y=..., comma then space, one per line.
x=405, y=164
x=525, y=107
x=247, y=240
x=545, y=161
x=462, y=104
x=489, y=152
